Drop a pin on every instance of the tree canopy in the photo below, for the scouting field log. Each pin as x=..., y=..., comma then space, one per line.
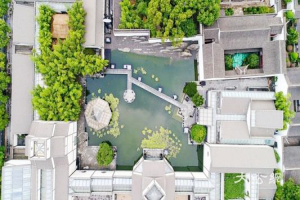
x=198, y=100
x=209, y=11
x=4, y=82
x=198, y=133
x=190, y=89
x=283, y=103
x=61, y=65
x=168, y=19
x=289, y=190
x=4, y=30
x=105, y=154
x=4, y=7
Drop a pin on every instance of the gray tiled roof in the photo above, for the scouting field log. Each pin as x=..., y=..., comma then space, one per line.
x=213, y=60
x=94, y=26
x=294, y=174
x=23, y=24
x=274, y=57
x=22, y=85
x=242, y=159
x=242, y=33
x=240, y=105
x=295, y=95
x=244, y=39
x=212, y=34
x=246, y=23
x=267, y=188
x=291, y=157
x=293, y=75
x=294, y=131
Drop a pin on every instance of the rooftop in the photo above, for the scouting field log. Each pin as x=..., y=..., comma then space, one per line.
x=247, y=34
x=240, y=159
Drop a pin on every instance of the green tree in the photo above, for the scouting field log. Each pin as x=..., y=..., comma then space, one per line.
x=129, y=15
x=3, y=7
x=293, y=56
x=209, y=11
x=2, y=61
x=290, y=16
x=190, y=89
x=3, y=117
x=61, y=66
x=198, y=100
x=292, y=37
x=228, y=62
x=229, y=11
x=4, y=39
x=283, y=103
x=105, y=154
x=289, y=190
x=189, y=28
x=277, y=157
x=142, y=8
x=252, y=61
x=198, y=133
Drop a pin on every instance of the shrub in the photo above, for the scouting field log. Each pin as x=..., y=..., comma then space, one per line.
x=292, y=37
x=2, y=156
x=4, y=39
x=229, y=11
x=198, y=100
x=278, y=174
x=142, y=8
x=290, y=16
x=189, y=28
x=289, y=190
x=2, y=61
x=287, y=1
x=198, y=133
x=168, y=19
x=258, y=10
x=105, y=154
x=277, y=156
x=252, y=60
x=190, y=89
x=232, y=188
x=293, y=57
x=129, y=16
x=283, y=103
x=3, y=7
x=209, y=12
x=228, y=62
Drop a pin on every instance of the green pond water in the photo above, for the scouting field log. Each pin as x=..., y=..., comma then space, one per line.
x=147, y=110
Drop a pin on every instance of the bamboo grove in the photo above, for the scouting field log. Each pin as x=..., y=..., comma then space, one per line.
x=4, y=77
x=61, y=66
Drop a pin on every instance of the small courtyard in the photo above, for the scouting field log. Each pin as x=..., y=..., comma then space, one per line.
x=147, y=113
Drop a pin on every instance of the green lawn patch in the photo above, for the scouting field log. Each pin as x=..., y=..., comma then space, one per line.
x=234, y=189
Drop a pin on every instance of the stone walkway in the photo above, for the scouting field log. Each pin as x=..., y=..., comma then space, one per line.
x=89, y=159
x=140, y=45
